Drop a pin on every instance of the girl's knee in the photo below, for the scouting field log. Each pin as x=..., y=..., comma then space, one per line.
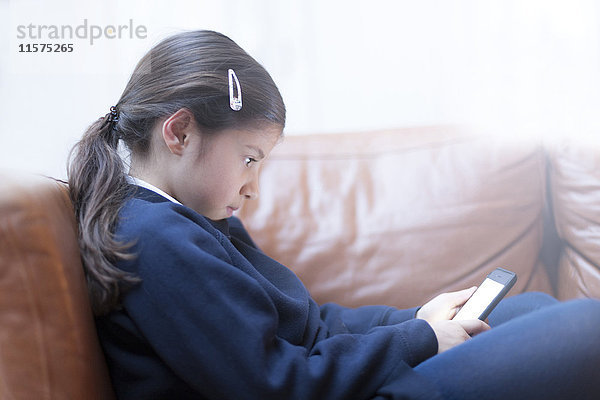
x=587, y=309
x=536, y=299
x=518, y=305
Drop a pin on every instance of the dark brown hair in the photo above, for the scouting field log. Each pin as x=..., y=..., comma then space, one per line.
x=188, y=70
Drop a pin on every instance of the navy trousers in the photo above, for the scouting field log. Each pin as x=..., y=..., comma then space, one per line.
x=538, y=348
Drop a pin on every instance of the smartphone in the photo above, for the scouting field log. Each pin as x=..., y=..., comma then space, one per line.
x=495, y=286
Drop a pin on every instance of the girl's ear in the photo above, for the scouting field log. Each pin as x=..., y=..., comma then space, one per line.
x=176, y=130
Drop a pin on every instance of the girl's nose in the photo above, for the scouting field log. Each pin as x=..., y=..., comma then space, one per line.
x=250, y=189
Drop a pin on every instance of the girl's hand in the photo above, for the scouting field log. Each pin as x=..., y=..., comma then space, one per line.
x=453, y=333
x=444, y=306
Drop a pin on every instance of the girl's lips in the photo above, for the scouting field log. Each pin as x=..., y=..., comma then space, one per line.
x=230, y=211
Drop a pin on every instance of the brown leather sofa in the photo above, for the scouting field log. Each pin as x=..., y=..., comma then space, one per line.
x=388, y=217
x=394, y=217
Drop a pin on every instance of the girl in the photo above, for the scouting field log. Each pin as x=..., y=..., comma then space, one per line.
x=189, y=308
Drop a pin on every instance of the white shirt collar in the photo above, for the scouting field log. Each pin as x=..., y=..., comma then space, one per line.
x=149, y=186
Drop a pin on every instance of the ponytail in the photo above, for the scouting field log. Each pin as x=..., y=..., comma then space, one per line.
x=98, y=187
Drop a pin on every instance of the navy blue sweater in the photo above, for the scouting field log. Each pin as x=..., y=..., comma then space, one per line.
x=215, y=318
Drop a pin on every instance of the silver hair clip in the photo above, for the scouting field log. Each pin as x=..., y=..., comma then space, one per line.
x=235, y=102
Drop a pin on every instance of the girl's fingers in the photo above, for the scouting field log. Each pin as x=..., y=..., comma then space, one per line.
x=460, y=297
x=474, y=326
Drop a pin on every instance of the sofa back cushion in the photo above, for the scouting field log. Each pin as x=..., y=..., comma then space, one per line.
x=393, y=217
x=48, y=343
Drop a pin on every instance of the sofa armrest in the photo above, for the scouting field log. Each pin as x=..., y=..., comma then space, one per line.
x=575, y=188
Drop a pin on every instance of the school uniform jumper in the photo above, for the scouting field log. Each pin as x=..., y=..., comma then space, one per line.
x=215, y=318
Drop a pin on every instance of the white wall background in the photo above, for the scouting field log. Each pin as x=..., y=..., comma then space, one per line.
x=525, y=66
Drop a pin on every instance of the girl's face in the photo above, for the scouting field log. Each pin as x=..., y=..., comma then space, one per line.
x=221, y=171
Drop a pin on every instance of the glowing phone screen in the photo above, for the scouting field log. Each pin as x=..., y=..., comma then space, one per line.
x=482, y=297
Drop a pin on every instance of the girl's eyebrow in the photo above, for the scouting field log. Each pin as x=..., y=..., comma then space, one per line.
x=256, y=149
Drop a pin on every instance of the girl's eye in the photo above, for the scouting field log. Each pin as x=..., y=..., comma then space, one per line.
x=249, y=160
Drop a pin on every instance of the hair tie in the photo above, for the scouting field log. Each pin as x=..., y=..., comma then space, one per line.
x=112, y=117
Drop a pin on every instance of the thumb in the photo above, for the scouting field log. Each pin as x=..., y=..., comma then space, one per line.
x=473, y=326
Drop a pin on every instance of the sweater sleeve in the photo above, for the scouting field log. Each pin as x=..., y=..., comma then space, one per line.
x=357, y=320
x=216, y=328
x=363, y=319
